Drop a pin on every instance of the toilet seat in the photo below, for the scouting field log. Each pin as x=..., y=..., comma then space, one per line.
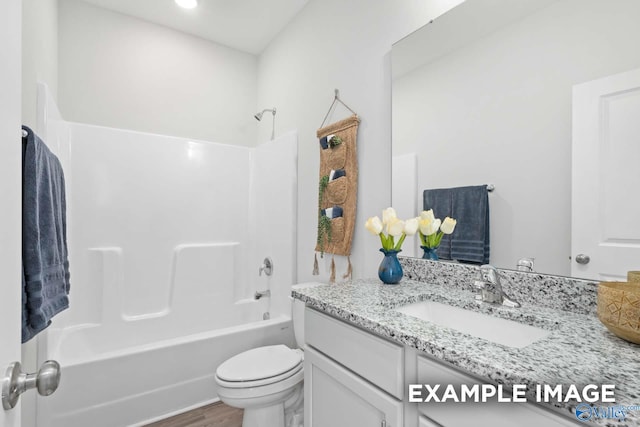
x=259, y=383
x=244, y=397
x=259, y=366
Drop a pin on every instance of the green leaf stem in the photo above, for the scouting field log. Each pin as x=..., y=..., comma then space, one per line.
x=324, y=229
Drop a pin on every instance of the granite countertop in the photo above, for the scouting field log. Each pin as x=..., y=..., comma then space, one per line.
x=579, y=350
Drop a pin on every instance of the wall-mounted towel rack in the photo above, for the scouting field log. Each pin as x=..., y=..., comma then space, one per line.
x=25, y=133
x=490, y=187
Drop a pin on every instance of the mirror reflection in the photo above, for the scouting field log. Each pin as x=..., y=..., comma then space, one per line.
x=483, y=95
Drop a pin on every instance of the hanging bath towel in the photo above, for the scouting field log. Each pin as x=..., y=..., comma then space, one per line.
x=470, y=207
x=45, y=266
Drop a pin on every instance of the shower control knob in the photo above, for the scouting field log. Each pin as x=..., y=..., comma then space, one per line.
x=582, y=259
x=267, y=267
x=15, y=382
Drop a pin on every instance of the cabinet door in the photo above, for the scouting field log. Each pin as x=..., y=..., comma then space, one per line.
x=336, y=397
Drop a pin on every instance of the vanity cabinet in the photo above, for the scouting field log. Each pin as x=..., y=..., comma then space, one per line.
x=351, y=377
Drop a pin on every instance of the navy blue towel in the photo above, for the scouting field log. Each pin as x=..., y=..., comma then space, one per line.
x=470, y=207
x=45, y=265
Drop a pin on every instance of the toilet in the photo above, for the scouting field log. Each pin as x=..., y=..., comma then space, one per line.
x=267, y=382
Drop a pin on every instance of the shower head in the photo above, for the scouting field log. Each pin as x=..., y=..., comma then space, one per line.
x=258, y=116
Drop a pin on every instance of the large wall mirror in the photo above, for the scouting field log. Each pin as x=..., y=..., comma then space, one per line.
x=483, y=95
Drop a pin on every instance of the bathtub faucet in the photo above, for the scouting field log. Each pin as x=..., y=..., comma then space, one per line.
x=260, y=294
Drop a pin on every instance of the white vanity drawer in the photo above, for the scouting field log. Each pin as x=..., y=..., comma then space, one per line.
x=379, y=361
x=465, y=414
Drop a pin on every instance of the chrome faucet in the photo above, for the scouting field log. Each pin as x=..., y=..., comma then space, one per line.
x=260, y=294
x=489, y=289
x=267, y=267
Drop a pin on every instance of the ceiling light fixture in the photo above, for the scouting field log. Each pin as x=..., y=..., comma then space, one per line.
x=187, y=4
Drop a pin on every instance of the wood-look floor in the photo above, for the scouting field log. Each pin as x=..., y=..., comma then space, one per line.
x=214, y=415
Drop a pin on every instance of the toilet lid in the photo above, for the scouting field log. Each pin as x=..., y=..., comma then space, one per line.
x=259, y=363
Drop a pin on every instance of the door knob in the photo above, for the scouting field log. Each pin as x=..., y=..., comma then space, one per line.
x=15, y=382
x=582, y=259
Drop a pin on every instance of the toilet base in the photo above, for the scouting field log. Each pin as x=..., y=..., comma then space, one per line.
x=289, y=413
x=284, y=408
x=268, y=416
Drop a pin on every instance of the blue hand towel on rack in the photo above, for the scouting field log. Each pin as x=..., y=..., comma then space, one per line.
x=470, y=207
x=45, y=265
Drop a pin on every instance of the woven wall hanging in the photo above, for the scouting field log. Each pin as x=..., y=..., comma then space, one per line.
x=337, y=189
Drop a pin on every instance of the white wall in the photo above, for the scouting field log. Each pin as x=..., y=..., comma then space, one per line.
x=123, y=72
x=39, y=53
x=499, y=111
x=345, y=45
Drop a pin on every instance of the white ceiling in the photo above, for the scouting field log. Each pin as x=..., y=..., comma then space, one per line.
x=247, y=25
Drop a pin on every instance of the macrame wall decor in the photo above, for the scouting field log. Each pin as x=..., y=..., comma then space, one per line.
x=337, y=189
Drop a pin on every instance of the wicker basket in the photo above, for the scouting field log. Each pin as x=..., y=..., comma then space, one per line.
x=619, y=309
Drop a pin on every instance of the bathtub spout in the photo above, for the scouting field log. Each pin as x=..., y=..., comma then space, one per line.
x=261, y=294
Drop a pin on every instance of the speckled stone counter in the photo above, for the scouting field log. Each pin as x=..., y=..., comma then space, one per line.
x=580, y=350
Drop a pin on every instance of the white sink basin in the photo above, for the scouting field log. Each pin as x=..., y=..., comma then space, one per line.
x=495, y=329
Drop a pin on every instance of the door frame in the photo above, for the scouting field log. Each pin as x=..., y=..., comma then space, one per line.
x=10, y=194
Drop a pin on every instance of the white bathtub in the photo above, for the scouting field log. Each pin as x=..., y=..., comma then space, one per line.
x=149, y=382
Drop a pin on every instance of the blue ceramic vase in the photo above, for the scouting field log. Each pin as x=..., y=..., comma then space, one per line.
x=430, y=253
x=390, y=270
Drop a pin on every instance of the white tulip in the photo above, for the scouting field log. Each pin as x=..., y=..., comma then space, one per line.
x=448, y=225
x=388, y=214
x=374, y=225
x=411, y=226
x=427, y=215
x=395, y=227
x=428, y=227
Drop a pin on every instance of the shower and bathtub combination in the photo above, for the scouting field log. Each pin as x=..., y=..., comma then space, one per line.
x=166, y=237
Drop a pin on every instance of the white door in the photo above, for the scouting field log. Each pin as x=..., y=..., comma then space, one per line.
x=606, y=177
x=10, y=194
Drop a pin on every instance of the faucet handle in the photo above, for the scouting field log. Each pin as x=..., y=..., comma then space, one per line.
x=525, y=264
x=490, y=274
x=267, y=267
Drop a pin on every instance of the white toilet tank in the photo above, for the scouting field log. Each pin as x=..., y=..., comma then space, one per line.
x=297, y=314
